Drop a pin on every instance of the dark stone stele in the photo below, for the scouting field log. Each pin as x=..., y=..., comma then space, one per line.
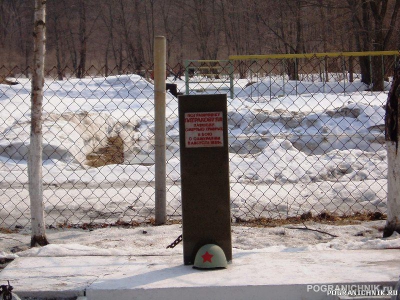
x=205, y=183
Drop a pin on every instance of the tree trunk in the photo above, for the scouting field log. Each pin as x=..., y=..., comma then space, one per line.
x=82, y=39
x=106, y=59
x=58, y=58
x=365, y=70
x=138, y=52
x=70, y=41
x=378, y=83
x=292, y=69
x=35, y=151
x=392, y=134
x=373, y=31
x=294, y=64
x=351, y=69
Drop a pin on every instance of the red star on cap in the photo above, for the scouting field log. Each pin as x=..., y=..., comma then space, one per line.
x=207, y=257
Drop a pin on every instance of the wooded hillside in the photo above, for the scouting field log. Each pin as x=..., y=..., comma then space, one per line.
x=84, y=33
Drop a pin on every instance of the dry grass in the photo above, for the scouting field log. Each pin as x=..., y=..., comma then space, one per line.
x=7, y=230
x=112, y=154
x=324, y=218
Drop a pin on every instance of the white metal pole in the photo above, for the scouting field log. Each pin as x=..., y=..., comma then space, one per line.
x=38, y=236
x=160, y=131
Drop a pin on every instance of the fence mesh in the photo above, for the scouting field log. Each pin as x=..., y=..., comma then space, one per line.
x=305, y=135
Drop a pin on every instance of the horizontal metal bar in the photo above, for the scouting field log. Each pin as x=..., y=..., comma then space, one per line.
x=313, y=55
x=206, y=61
x=209, y=82
x=206, y=68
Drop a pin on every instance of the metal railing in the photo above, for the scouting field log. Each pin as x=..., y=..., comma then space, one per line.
x=214, y=76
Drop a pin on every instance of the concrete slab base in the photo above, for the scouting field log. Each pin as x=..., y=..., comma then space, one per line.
x=252, y=275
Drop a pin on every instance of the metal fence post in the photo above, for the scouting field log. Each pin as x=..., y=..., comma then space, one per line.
x=370, y=72
x=296, y=74
x=283, y=76
x=231, y=86
x=344, y=74
x=383, y=72
x=38, y=236
x=324, y=79
x=160, y=131
x=186, y=77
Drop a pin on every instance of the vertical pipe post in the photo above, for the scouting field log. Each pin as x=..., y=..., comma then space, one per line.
x=383, y=72
x=160, y=131
x=186, y=77
x=370, y=72
x=231, y=87
x=270, y=82
x=296, y=75
x=324, y=79
x=283, y=76
x=344, y=74
x=38, y=236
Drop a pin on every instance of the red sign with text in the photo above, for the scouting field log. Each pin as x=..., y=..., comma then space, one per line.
x=204, y=129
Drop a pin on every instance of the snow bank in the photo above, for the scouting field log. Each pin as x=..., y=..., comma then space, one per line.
x=274, y=87
x=67, y=138
x=152, y=240
x=294, y=146
x=79, y=116
x=69, y=250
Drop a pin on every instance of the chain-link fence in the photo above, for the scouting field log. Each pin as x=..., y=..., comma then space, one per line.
x=306, y=135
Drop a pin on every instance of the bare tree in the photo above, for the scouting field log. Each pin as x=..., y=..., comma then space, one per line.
x=82, y=39
x=128, y=18
x=35, y=151
x=114, y=42
x=201, y=29
x=15, y=27
x=173, y=25
x=56, y=33
x=375, y=22
x=204, y=24
x=69, y=35
x=287, y=28
x=149, y=13
x=139, y=49
x=392, y=136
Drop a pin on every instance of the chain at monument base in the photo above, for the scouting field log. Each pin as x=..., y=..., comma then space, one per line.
x=205, y=174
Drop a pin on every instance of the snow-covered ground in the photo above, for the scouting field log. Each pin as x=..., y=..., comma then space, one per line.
x=325, y=147
x=294, y=147
x=153, y=240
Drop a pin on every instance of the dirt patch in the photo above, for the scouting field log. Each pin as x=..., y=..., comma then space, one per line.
x=8, y=230
x=112, y=154
x=324, y=218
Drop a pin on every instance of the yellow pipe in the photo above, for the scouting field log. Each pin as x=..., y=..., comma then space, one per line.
x=313, y=55
x=207, y=61
x=210, y=67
